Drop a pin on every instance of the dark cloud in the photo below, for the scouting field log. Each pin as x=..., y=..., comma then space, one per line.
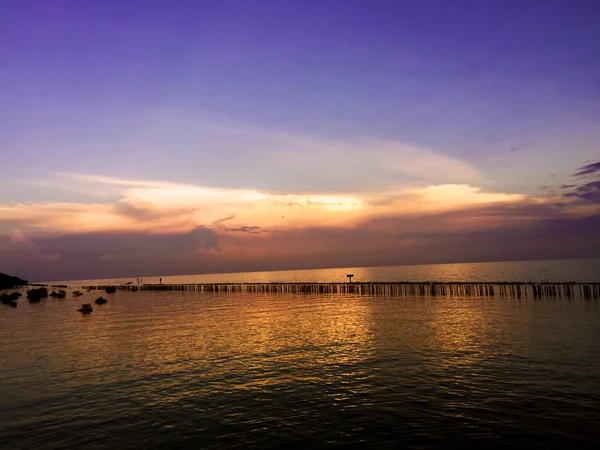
x=548, y=239
x=246, y=229
x=148, y=212
x=491, y=233
x=100, y=255
x=132, y=243
x=589, y=192
x=495, y=215
x=140, y=213
x=225, y=219
x=588, y=169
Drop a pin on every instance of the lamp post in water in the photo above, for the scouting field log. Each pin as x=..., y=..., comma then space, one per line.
x=350, y=275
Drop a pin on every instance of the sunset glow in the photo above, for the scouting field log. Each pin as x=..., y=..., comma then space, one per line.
x=237, y=146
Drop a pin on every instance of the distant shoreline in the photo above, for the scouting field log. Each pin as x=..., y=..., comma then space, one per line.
x=116, y=280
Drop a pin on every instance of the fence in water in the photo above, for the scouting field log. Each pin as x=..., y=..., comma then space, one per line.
x=432, y=289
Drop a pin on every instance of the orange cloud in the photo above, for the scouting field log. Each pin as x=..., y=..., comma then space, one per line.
x=158, y=207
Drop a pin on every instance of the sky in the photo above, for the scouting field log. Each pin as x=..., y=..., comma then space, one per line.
x=147, y=138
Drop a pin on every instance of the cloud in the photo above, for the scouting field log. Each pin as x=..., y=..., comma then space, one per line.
x=460, y=195
x=272, y=159
x=139, y=212
x=225, y=219
x=20, y=245
x=18, y=238
x=486, y=233
x=91, y=254
x=589, y=169
x=163, y=208
x=586, y=193
x=362, y=166
x=589, y=192
x=157, y=227
x=247, y=229
x=234, y=155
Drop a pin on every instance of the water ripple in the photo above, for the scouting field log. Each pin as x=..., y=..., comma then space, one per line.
x=156, y=370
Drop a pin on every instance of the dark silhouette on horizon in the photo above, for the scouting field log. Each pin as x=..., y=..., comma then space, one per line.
x=11, y=282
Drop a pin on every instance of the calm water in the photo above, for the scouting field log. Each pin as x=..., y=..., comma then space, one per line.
x=581, y=270
x=187, y=370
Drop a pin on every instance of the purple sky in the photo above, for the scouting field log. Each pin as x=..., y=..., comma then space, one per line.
x=149, y=122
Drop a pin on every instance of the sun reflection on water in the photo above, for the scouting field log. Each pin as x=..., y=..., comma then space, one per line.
x=236, y=343
x=215, y=367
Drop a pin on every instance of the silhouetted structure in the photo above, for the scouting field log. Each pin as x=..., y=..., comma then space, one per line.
x=400, y=289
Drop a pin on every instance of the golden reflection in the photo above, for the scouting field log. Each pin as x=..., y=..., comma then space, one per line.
x=308, y=335
x=235, y=342
x=463, y=328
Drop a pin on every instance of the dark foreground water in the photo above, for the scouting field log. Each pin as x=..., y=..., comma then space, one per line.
x=185, y=370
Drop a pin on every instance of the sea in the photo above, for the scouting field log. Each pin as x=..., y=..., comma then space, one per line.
x=170, y=370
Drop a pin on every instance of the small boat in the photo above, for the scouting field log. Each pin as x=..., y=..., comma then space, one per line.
x=101, y=301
